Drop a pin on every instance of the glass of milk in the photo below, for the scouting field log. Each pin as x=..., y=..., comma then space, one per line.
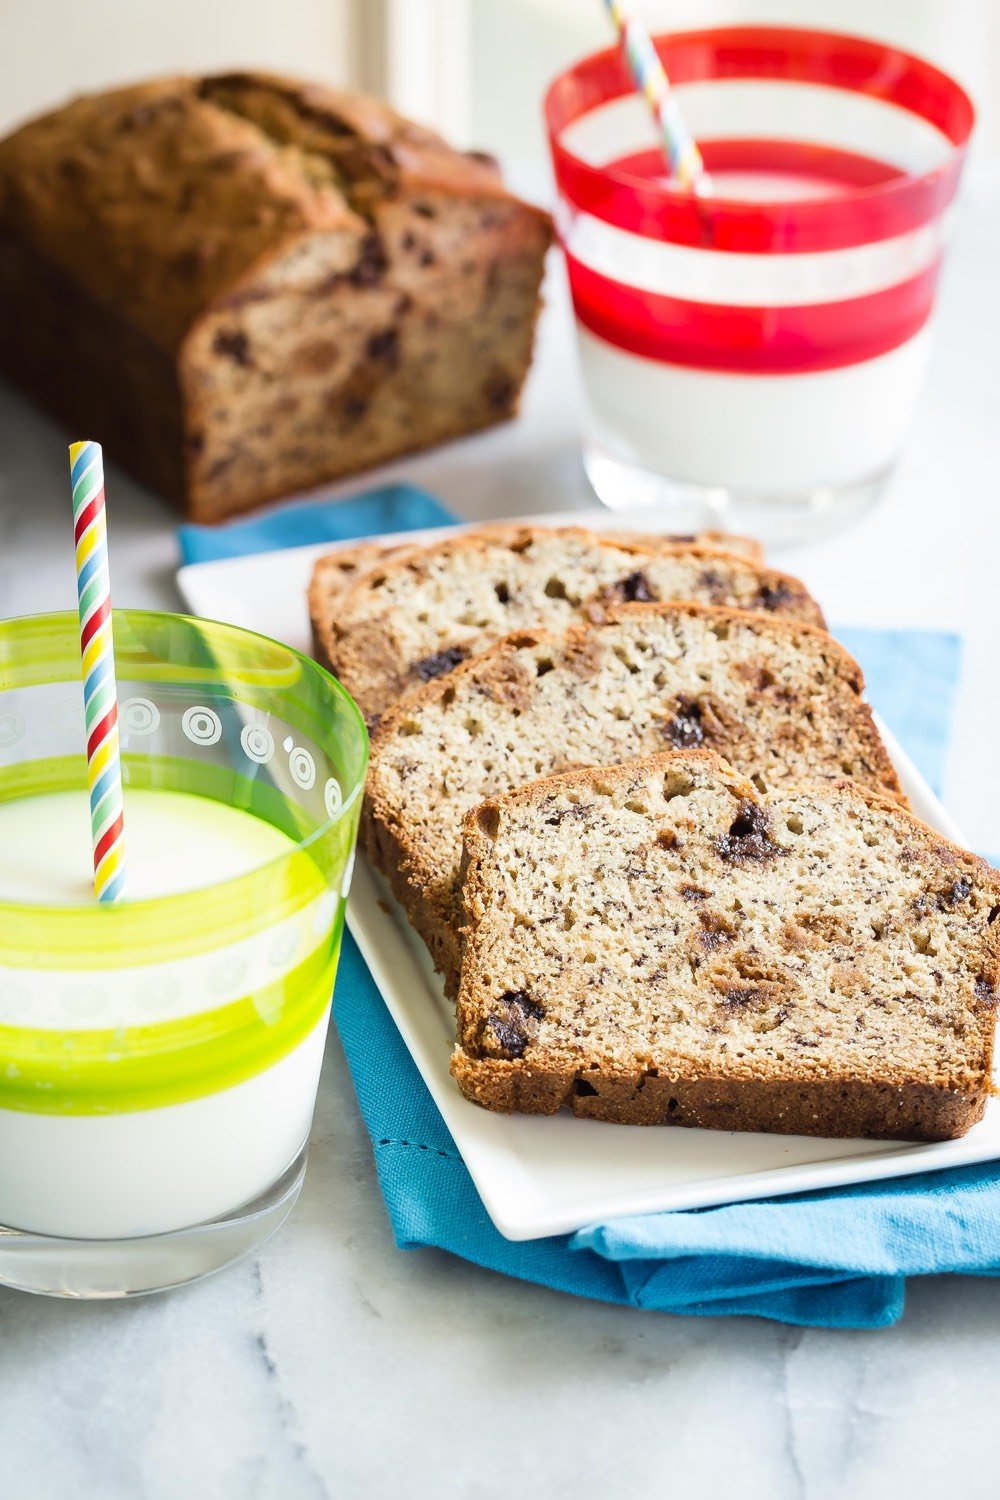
x=752, y=358
x=159, y=1058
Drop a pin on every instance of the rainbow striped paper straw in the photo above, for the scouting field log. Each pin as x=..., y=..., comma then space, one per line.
x=100, y=693
x=679, y=146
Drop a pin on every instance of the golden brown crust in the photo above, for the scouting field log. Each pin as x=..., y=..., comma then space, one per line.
x=164, y=196
x=134, y=161
x=86, y=364
x=871, y=1108
x=785, y=1091
x=719, y=541
x=391, y=851
x=331, y=577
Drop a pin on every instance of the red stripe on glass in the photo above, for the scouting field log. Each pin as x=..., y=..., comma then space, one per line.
x=832, y=165
x=851, y=216
x=751, y=340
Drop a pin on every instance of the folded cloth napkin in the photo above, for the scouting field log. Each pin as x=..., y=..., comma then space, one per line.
x=835, y=1259
x=395, y=507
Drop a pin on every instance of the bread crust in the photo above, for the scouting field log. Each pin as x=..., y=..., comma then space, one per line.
x=136, y=156
x=787, y=1097
x=875, y=1109
x=332, y=576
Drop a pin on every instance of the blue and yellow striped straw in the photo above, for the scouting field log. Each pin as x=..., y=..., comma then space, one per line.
x=100, y=693
x=679, y=146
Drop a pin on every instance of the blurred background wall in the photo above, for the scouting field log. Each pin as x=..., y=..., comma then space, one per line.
x=474, y=68
x=52, y=48
x=537, y=37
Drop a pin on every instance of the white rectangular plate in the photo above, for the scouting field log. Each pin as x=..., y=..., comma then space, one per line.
x=539, y=1176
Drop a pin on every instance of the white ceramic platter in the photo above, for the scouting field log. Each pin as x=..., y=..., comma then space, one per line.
x=540, y=1176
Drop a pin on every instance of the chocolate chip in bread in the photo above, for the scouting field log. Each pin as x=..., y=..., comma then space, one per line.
x=434, y=606
x=660, y=943
x=337, y=571
x=780, y=700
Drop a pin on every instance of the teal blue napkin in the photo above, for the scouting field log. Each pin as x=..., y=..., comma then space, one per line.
x=394, y=507
x=836, y=1259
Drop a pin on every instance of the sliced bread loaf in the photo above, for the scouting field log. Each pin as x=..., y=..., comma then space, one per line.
x=428, y=609
x=780, y=700
x=335, y=573
x=659, y=943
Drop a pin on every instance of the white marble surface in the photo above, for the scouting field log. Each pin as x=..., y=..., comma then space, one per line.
x=334, y=1365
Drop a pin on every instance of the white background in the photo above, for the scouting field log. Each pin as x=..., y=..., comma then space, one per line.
x=474, y=67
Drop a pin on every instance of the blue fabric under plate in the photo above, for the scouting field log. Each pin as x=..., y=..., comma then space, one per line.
x=395, y=507
x=835, y=1259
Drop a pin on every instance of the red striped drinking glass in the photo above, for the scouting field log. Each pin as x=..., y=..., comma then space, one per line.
x=756, y=354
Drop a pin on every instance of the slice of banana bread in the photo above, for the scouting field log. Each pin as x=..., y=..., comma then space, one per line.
x=335, y=573
x=430, y=608
x=660, y=944
x=778, y=699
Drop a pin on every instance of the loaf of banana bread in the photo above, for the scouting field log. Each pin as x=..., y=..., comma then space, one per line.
x=660, y=943
x=244, y=286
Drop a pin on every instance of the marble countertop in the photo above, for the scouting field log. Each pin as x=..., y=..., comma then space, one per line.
x=332, y=1364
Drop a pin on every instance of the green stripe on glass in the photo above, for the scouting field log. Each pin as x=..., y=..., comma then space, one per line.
x=131, y=1068
x=174, y=661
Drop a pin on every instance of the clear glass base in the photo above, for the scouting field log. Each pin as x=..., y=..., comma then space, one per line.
x=92, y=1269
x=684, y=507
